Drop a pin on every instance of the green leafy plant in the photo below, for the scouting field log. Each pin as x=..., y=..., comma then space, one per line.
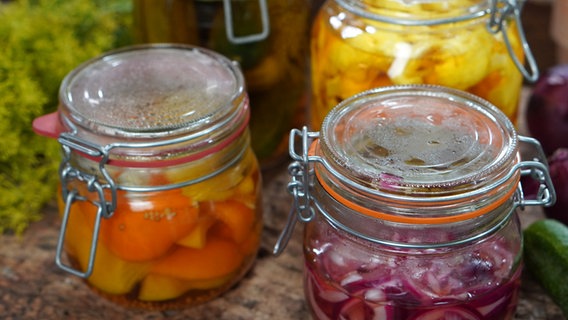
x=41, y=41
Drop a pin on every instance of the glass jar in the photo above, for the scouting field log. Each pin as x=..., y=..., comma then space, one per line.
x=160, y=189
x=269, y=39
x=409, y=195
x=476, y=46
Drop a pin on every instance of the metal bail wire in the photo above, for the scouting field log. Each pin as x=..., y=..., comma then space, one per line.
x=536, y=169
x=299, y=187
x=69, y=200
x=227, y=7
x=70, y=142
x=105, y=208
x=500, y=11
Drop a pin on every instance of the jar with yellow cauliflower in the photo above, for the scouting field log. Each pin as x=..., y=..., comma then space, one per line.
x=358, y=45
x=158, y=176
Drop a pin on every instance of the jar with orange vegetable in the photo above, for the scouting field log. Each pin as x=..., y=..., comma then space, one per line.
x=472, y=45
x=160, y=189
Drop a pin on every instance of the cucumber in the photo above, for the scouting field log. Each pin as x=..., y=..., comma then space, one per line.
x=546, y=257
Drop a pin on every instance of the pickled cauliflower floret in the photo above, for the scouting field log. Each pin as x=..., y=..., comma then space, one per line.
x=422, y=58
x=351, y=54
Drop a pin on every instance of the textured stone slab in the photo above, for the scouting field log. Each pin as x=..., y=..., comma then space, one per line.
x=32, y=287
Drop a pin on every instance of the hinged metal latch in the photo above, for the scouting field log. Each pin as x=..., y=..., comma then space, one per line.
x=537, y=169
x=500, y=11
x=300, y=185
x=105, y=208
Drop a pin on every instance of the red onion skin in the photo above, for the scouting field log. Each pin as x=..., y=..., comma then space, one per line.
x=558, y=168
x=547, y=109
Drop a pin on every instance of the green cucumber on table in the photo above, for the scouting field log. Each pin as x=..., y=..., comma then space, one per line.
x=546, y=258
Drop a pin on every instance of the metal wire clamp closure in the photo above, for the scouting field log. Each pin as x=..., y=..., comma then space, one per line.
x=299, y=188
x=302, y=181
x=105, y=208
x=227, y=7
x=537, y=169
x=500, y=11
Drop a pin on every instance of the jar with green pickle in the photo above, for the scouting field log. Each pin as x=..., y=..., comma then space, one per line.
x=472, y=45
x=268, y=38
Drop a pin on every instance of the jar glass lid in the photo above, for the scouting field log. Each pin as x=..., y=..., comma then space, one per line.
x=156, y=90
x=417, y=140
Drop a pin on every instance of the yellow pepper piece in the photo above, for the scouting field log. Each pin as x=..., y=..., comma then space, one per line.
x=156, y=287
x=197, y=237
x=110, y=273
x=217, y=188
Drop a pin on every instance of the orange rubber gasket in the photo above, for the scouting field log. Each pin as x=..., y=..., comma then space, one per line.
x=414, y=220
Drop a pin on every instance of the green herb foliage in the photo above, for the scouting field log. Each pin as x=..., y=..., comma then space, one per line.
x=40, y=42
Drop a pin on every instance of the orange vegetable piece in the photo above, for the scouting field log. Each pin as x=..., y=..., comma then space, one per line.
x=216, y=259
x=251, y=244
x=237, y=219
x=197, y=237
x=146, y=225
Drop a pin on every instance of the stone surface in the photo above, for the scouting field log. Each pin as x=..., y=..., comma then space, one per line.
x=32, y=287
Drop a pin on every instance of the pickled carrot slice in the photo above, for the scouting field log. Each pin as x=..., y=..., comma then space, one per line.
x=216, y=259
x=237, y=219
x=157, y=287
x=145, y=226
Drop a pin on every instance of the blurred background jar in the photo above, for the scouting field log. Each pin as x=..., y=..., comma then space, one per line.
x=160, y=194
x=269, y=39
x=467, y=45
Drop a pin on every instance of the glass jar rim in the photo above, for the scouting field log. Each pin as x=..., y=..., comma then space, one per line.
x=400, y=12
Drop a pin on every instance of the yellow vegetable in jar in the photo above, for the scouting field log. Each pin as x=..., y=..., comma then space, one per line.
x=157, y=287
x=110, y=273
x=234, y=181
x=351, y=53
x=197, y=237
